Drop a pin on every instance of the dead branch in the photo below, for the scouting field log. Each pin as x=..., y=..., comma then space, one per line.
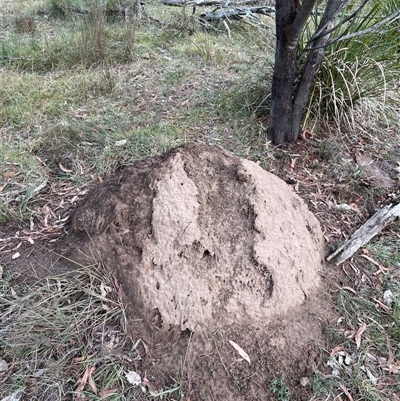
x=235, y=13
x=208, y=3
x=365, y=233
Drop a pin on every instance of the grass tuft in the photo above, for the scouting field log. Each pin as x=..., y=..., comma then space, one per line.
x=357, y=69
x=279, y=389
x=57, y=328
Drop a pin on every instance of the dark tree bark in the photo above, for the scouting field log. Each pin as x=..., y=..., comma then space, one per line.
x=285, y=72
x=291, y=89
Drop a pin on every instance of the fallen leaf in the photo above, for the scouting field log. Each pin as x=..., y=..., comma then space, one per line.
x=39, y=187
x=348, y=395
x=17, y=247
x=3, y=186
x=390, y=352
x=359, y=333
x=147, y=383
x=146, y=348
x=106, y=393
x=349, y=334
x=293, y=163
x=381, y=304
x=374, y=380
x=304, y=133
x=8, y=174
x=377, y=264
x=62, y=168
x=91, y=383
x=240, y=350
x=349, y=289
x=337, y=349
x=83, y=381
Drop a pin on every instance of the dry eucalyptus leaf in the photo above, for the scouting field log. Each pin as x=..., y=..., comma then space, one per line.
x=240, y=350
x=65, y=170
x=359, y=333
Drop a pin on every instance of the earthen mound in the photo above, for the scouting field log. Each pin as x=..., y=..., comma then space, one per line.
x=202, y=239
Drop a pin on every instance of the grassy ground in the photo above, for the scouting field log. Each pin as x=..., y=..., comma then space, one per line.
x=82, y=95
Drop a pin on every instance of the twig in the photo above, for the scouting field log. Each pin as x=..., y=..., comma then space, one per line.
x=365, y=233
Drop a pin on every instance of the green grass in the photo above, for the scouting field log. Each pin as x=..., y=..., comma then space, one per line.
x=55, y=329
x=357, y=69
x=81, y=83
x=380, y=342
x=279, y=389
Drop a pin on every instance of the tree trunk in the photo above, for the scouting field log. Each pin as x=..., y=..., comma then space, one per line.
x=289, y=99
x=316, y=54
x=285, y=71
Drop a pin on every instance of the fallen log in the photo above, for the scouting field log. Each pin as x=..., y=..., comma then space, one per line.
x=365, y=233
x=209, y=3
x=235, y=13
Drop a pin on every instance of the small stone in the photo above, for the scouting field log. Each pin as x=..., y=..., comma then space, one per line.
x=348, y=360
x=388, y=298
x=305, y=381
x=122, y=142
x=133, y=378
x=3, y=365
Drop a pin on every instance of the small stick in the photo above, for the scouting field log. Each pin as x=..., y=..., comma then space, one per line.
x=365, y=233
